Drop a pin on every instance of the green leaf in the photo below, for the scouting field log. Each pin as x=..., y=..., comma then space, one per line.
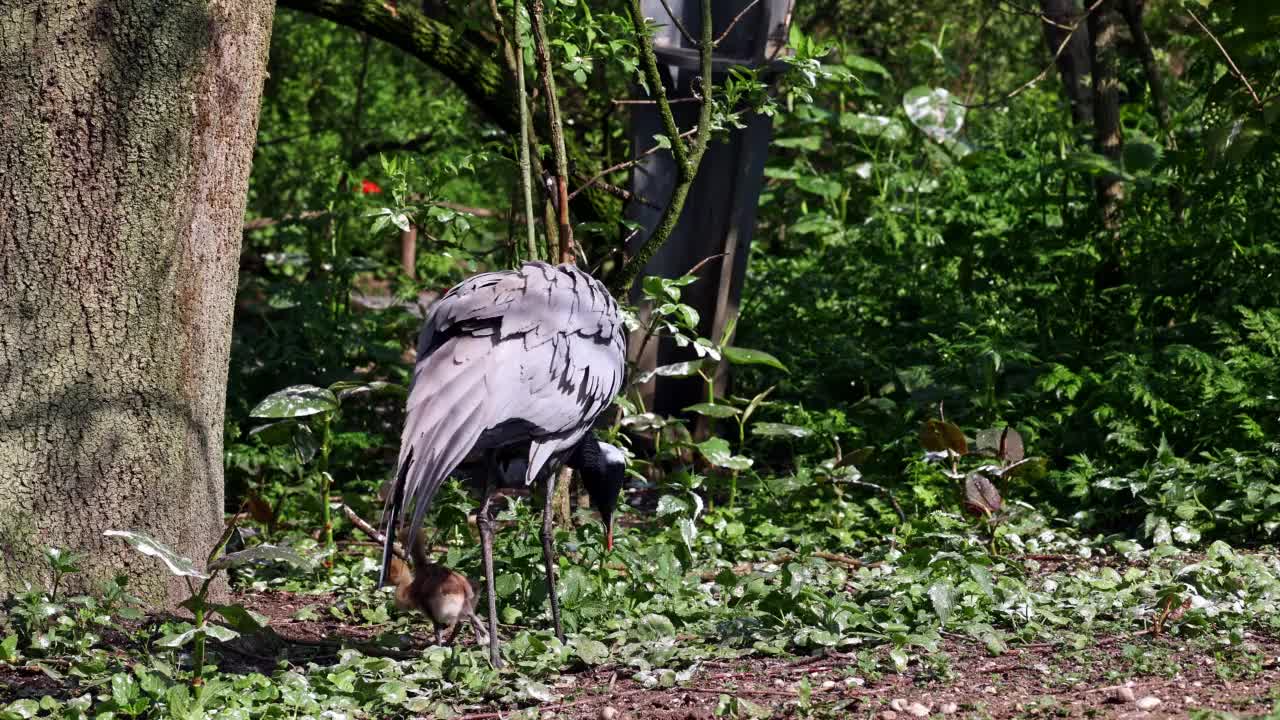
x=942, y=597
x=241, y=618
x=220, y=633
x=715, y=410
x=145, y=544
x=677, y=370
x=21, y=709
x=9, y=649
x=296, y=401
x=590, y=651
x=715, y=450
x=859, y=63
x=655, y=627
x=935, y=112
x=747, y=356
x=276, y=433
x=177, y=640
x=257, y=554
x=345, y=389
x=769, y=429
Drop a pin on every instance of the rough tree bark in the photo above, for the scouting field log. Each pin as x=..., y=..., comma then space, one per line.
x=1103, y=32
x=1073, y=63
x=126, y=134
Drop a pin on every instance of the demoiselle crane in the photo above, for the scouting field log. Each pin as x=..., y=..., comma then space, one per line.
x=529, y=356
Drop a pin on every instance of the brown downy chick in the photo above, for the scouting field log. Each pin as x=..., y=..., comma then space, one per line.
x=443, y=595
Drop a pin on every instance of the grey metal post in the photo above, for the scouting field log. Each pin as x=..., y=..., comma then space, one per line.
x=720, y=212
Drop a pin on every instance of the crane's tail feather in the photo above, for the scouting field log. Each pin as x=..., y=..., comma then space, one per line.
x=390, y=513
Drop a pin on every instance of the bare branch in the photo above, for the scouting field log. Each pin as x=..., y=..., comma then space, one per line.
x=734, y=22
x=1040, y=75
x=1234, y=70
x=625, y=164
x=679, y=25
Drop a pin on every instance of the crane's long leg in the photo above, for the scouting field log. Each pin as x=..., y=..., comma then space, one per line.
x=484, y=522
x=549, y=552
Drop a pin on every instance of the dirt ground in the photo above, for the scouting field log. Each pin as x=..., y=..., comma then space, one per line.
x=1136, y=676
x=1139, y=676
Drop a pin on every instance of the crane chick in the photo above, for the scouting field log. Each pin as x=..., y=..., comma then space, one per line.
x=443, y=595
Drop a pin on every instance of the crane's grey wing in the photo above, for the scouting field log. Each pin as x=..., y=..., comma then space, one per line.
x=535, y=353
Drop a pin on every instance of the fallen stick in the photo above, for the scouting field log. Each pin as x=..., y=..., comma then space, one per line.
x=372, y=532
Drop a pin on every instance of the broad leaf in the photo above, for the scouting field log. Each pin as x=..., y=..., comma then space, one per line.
x=713, y=410
x=276, y=433
x=747, y=356
x=176, y=563
x=1010, y=450
x=943, y=599
x=678, y=370
x=241, y=618
x=939, y=435
x=934, y=112
x=256, y=554
x=345, y=389
x=296, y=401
x=769, y=429
x=980, y=496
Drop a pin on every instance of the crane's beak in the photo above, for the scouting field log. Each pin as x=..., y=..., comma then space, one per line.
x=608, y=533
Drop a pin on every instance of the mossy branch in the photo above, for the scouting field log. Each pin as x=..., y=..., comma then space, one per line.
x=687, y=159
x=542, y=51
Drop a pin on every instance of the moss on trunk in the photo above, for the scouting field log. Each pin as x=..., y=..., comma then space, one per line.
x=127, y=135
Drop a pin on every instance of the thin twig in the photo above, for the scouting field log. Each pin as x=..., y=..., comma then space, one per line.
x=624, y=165
x=679, y=25
x=734, y=23
x=1066, y=40
x=1235, y=70
x=655, y=102
x=1019, y=10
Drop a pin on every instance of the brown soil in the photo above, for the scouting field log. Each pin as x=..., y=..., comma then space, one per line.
x=1038, y=680
x=961, y=680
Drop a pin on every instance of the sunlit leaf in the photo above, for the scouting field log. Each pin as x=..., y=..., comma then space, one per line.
x=747, y=356
x=770, y=429
x=258, y=554
x=935, y=112
x=296, y=401
x=713, y=410
x=145, y=544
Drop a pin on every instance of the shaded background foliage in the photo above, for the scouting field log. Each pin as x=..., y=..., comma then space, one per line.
x=897, y=268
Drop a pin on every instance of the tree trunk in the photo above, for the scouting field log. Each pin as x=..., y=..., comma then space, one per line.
x=1106, y=107
x=1073, y=61
x=126, y=136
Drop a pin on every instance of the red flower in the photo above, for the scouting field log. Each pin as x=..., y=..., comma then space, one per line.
x=368, y=186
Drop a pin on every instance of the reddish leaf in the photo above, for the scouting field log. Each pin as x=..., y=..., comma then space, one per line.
x=260, y=510
x=1011, y=450
x=980, y=496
